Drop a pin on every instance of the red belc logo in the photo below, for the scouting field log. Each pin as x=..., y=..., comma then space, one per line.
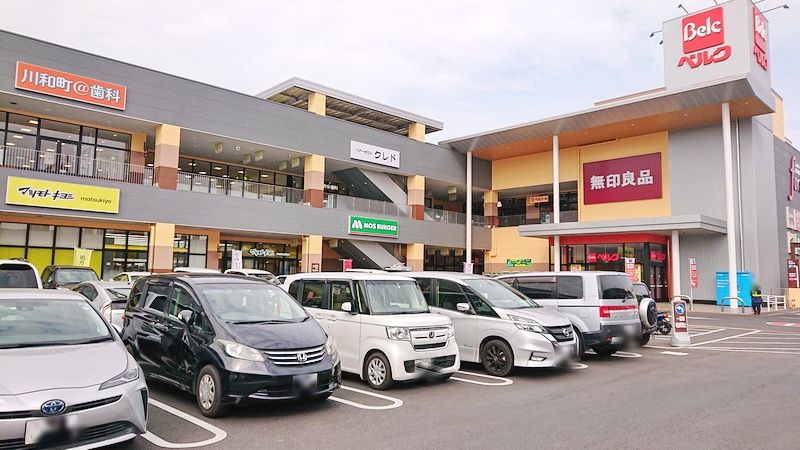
x=760, y=38
x=700, y=33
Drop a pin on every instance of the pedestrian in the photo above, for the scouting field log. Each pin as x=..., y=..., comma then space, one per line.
x=756, y=295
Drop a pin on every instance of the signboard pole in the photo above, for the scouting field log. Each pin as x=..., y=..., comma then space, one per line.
x=680, y=323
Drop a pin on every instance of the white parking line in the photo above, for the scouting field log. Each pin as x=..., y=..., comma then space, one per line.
x=578, y=366
x=627, y=355
x=674, y=353
x=707, y=332
x=727, y=338
x=751, y=350
x=218, y=433
x=396, y=402
x=503, y=381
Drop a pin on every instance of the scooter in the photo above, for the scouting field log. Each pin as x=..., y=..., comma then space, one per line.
x=661, y=324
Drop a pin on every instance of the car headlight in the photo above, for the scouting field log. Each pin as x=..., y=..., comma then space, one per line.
x=131, y=373
x=239, y=351
x=451, y=331
x=527, y=324
x=398, y=333
x=330, y=346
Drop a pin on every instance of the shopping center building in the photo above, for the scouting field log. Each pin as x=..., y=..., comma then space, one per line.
x=151, y=171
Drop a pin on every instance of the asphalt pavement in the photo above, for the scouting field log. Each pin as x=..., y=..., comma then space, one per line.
x=735, y=387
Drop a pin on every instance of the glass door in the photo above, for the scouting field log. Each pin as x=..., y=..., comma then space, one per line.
x=57, y=157
x=658, y=283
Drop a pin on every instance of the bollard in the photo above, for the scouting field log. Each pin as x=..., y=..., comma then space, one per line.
x=680, y=323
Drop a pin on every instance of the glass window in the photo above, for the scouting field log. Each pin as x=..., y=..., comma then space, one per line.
x=257, y=303
x=138, y=240
x=267, y=177
x=89, y=135
x=59, y=130
x=92, y=238
x=67, y=237
x=18, y=276
x=156, y=297
x=537, y=287
x=201, y=167
x=251, y=175
x=313, y=294
x=198, y=244
x=111, y=155
x=197, y=260
x=22, y=124
x=218, y=170
x=280, y=179
x=613, y=287
x=19, y=141
x=569, y=287
x=497, y=294
x=113, y=139
x=2, y=120
x=41, y=236
x=450, y=294
x=425, y=286
x=13, y=233
x=341, y=292
x=88, y=291
x=38, y=322
x=74, y=276
x=293, y=288
x=395, y=297
x=180, y=300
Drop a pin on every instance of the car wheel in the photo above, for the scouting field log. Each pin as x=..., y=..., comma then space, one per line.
x=605, y=351
x=644, y=339
x=497, y=358
x=208, y=391
x=378, y=372
x=580, y=345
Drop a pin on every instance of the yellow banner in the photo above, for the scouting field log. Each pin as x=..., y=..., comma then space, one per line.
x=55, y=194
x=82, y=257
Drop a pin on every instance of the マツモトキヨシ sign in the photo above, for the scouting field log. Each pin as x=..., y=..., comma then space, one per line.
x=67, y=85
x=370, y=226
x=58, y=195
x=622, y=179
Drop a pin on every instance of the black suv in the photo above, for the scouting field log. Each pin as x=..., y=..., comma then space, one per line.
x=228, y=339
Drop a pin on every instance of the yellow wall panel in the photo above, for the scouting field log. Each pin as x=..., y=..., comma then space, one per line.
x=535, y=169
x=508, y=244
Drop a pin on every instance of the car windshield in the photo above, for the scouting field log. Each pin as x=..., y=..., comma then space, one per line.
x=640, y=290
x=18, y=276
x=69, y=276
x=133, y=278
x=395, y=297
x=26, y=322
x=264, y=276
x=252, y=303
x=615, y=287
x=119, y=296
x=499, y=294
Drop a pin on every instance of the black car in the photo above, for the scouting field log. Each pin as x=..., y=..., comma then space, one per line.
x=228, y=340
x=66, y=277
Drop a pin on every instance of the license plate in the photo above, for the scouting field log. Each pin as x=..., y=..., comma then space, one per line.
x=630, y=328
x=35, y=429
x=306, y=381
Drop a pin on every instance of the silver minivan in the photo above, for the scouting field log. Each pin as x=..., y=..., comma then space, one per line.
x=601, y=305
x=496, y=325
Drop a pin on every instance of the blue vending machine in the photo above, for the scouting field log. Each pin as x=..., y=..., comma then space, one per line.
x=744, y=285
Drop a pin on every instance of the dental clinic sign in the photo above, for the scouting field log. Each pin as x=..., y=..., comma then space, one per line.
x=369, y=226
x=622, y=179
x=30, y=77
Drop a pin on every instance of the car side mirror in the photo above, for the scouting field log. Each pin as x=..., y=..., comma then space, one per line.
x=185, y=316
x=463, y=307
x=348, y=307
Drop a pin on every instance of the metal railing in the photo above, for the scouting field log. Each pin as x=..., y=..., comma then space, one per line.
x=54, y=162
x=366, y=205
x=478, y=221
x=774, y=301
x=238, y=188
x=443, y=216
x=523, y=219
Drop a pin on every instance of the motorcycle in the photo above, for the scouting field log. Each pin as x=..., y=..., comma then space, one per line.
x=657, y=322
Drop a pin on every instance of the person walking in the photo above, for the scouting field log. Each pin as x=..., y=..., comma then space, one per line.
x=757, y=300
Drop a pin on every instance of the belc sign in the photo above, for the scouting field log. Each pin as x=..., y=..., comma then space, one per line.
x=760, y=38
x=602, y=257
x=700, y=33
x=67, y=85
x=623, y=179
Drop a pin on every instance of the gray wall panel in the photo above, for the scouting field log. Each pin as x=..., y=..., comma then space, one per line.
x=783, y=156
x=697, y=179
x=710, y=252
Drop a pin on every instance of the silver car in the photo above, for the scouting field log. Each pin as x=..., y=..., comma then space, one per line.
x=108, y=297
x=66, y=379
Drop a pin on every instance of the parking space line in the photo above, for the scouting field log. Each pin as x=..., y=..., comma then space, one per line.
x=727, y=338
x=578, y=366
x=674, y=353
x=751, y=350
x=707, y=332
x=627, y=355
x=219, y=434
x=396, y=402
x=502, y=381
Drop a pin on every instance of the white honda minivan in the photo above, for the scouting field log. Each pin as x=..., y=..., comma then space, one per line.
x=383, y=328
x=495, y=324
x=601, y=305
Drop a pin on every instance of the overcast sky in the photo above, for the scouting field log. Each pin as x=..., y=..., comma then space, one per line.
x=475, y=65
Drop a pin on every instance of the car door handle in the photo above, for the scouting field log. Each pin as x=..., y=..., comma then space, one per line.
x=160, y=326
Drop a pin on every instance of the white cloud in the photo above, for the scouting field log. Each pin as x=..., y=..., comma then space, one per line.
x=475, y=65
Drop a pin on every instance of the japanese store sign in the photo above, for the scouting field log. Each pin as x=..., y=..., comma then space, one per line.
x=70, y=86
x=372, y=227
x=700, y=32
x=526, y=262
x=693, y=280
x=760, y=38
x=630, y=269
x=374, y=154
x=592, y=258
x=54, y=194
x=536, y=199
x=622, y=179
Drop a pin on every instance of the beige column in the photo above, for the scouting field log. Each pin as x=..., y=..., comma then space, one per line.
x=416, y=131
x=162, y=237
x=314, y=180
x=168, y=141
x=415, y=257
x=311, y=254
x=138, y=141
x=490, y=208
x=212, y=250
x=316, y=103
x=416, y=196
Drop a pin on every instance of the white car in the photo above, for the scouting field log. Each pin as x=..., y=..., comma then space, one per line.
x=66, y=380
x=108, y=297
x=15, y=273
x=255, y=273
x=496, y=325
x=383, y=328
x=129, y=277
x=195, y=270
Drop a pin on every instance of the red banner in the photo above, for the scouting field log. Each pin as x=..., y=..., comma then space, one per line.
x=622, y=179
x=67, y=85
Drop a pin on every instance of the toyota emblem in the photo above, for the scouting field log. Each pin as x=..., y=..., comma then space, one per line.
x=567, y=332
x=431, y=334
x=53, y=407
x=302, y=357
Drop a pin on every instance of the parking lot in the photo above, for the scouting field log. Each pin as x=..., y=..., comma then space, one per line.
x=734, y=387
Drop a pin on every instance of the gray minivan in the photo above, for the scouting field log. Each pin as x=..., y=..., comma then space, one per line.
x=601, y=305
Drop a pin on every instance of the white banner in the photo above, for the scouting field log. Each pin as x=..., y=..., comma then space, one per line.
x=236, y=259
x=374, y=154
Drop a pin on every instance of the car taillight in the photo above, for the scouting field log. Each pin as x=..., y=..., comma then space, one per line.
x=605, y=311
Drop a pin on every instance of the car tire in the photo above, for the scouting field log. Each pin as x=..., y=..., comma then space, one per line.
x=208, y=392
x=378, y=371
x=644, y=339
x=605, y=351
x=497, y=358
x=580, y=345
